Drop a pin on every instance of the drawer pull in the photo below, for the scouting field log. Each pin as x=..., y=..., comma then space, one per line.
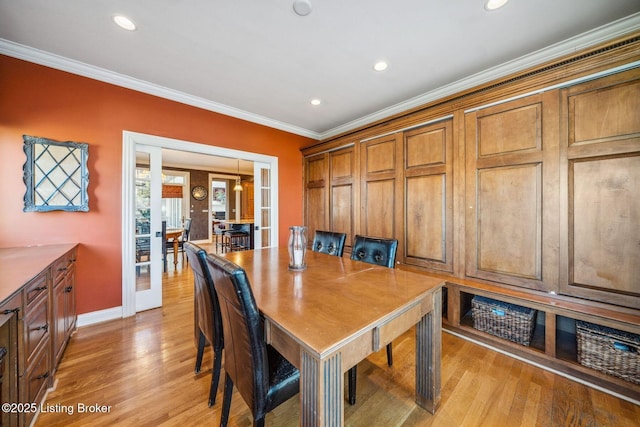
x=68, y=289
x=44, y=327
x=62, y=269
x=43, y=376
x=40, y=288
x=12, y=310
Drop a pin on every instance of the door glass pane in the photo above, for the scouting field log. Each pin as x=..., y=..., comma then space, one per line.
x=265, y=208
x=143, y=218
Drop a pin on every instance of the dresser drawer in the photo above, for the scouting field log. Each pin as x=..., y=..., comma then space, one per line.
x=63, y=265
x=36, y=288
x=36, y=381
x=36, y=326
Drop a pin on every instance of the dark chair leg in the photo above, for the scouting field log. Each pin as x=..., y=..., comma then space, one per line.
x=352, y=385
x=202, y=341
x=259, y=423
x=389, y=355
x=215, y=376
x=226, y=400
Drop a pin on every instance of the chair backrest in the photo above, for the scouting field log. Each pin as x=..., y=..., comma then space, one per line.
x=245, y=353
x=208, y=313
x=375, y=250
x=187, y=229
x=329, y=242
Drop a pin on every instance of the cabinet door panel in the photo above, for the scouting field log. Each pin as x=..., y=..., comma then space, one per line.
x=600, y=190
x=605, y=114
x=380, y=218
x=512, y=176
x=426, y=212
x=381, y=206
x=509, y=221
x=428, y=196
x=605, y=217
x=342, y=210
x=425, y=148
x=342, y=164
x=316, y=170
x=342, y=187
x=315, y=208
x=380, y=155
x=511, y=129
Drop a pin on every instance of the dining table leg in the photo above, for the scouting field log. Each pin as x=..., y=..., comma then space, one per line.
x=321, y=390
x=175, y=253
x=428, y=352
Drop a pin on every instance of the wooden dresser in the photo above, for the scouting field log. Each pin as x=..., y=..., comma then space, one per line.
x=37, y=317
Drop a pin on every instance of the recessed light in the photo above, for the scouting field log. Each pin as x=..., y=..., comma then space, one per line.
x=494, y=4
x=124, y=22
x=316, y=101
x=302, y=7
x=380, y=66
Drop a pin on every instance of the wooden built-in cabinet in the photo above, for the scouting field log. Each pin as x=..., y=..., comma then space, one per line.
x=331, y=189
x=37, y=317
x=428, y=196
x=600, y=191
x=525, y=190
x=512, y=192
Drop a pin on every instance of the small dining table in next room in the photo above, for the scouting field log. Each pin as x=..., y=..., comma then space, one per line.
x=328, y=317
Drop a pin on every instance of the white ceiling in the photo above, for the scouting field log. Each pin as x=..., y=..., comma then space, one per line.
x=258, y=60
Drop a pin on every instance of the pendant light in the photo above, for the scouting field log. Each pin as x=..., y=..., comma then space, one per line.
x=238, y=187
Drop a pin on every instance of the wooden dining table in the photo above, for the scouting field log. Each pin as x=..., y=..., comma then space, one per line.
x=174, y=233
x=330, y=316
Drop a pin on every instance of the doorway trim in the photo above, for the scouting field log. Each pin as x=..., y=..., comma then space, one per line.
x=129, y=142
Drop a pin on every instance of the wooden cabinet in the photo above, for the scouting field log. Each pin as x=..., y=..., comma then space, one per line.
x=381, y=186
x=526, y=190
x=427, y=239
x=512, y=194
x=37, y=316
x=64, y=305
x=331, y=193
x=600, y=190
x=247, y=203
x=10, y=333
x=37, y=341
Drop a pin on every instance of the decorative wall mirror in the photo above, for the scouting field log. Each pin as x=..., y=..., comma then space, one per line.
x=56, y=175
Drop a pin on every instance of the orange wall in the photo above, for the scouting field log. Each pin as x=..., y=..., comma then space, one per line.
x=40, y=101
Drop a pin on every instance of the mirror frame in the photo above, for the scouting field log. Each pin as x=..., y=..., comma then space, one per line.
x=48, y=178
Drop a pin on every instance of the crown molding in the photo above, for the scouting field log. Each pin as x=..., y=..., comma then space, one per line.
x=62, y=63
x=566, y=47
x=582, y=41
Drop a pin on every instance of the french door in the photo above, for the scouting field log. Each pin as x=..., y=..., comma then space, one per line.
x=263, y=236
x=148, y=228
x=141, y=211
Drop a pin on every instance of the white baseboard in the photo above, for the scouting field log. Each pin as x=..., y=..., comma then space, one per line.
x=99, y=316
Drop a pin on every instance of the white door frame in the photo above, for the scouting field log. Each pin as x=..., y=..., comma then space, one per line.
x=129, y=141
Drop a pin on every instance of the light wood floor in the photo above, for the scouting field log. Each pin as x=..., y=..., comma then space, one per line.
x=142, y=368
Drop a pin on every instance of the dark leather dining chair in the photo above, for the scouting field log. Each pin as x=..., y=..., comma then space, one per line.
x=207, y=316
x=329, y=242
x=372, y=250
x=263, y=377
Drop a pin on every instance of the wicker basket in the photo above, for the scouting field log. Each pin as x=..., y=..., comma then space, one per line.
x=609, y=350
x=509, y=321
